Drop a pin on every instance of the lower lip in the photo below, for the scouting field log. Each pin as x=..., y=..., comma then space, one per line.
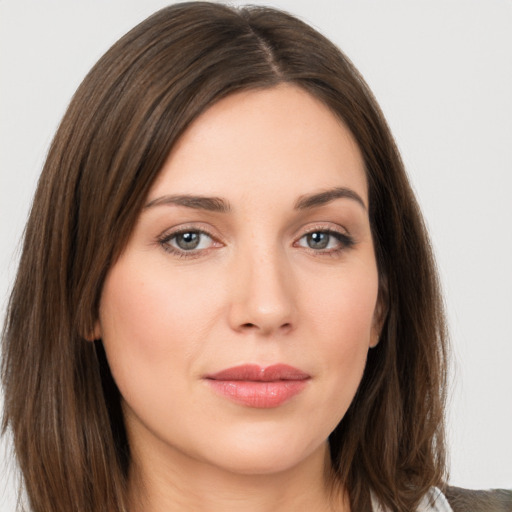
x=258, y=394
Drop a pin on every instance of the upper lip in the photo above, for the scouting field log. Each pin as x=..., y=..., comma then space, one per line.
x=256, y=373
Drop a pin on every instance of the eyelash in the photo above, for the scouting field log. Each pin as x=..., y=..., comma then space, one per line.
x=345, y=241
x=166, y=239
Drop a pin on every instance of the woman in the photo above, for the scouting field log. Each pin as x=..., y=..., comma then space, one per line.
x=226, y=297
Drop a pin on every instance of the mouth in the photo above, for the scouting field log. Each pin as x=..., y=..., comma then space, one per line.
x=259, y=387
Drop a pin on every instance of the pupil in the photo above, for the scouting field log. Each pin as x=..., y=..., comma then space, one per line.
x=187, y=241
x=318, y=240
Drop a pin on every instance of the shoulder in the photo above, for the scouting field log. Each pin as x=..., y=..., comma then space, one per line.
x=468, y=500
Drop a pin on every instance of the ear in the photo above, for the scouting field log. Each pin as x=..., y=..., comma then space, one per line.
x=95, y=334
x=380, y=314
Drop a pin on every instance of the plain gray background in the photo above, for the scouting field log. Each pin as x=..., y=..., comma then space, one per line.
x=442, y=72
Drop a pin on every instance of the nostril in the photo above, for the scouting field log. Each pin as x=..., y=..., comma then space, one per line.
x=249, y=325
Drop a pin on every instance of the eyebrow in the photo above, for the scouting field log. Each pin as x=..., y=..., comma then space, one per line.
x=217, y=204
x=308, y=201
x=211, y=204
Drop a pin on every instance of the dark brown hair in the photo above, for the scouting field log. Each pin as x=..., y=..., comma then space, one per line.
x=61, y=404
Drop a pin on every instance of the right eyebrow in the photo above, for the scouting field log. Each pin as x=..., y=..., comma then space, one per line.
x=319, y=199
x=212, y=204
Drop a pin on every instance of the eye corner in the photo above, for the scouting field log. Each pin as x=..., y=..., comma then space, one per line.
x=323, y=240
x=188, y=241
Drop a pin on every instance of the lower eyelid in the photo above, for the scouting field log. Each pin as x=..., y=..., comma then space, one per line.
x=167, y=241
x=344, y=240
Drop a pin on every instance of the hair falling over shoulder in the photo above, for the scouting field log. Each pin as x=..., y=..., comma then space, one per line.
x=62, y=406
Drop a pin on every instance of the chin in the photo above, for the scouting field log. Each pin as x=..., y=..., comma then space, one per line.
x=267, y=455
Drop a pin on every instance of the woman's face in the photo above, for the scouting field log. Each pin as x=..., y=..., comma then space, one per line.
x=238, y=319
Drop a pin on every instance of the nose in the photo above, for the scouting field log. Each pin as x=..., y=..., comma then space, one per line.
x=263, y=294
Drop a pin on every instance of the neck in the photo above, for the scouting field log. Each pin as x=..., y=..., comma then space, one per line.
x=177, y=484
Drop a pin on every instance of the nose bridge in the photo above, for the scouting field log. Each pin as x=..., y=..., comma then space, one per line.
x=263, y=290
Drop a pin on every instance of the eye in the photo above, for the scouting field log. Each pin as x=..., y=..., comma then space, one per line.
x=325, y=241
x=190, y=240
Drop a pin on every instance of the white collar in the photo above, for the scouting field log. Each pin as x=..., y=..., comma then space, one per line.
x=433, y=501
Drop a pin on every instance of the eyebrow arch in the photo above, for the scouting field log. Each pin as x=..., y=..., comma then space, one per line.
x=314, y=200
x=212, y=204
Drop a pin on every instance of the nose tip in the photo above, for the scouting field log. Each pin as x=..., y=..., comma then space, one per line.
x=263, y=300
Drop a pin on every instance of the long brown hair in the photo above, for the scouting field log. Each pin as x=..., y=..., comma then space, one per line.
x=61, y=403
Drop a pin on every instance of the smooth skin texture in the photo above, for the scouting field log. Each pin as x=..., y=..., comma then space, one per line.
x=260, y=274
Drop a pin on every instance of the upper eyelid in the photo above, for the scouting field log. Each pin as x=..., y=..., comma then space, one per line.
x=171, y=232
x=165, y=239
x=333, y=229
x=212, y=232
x=324, y=229
x=331, y=232
x=326, y=226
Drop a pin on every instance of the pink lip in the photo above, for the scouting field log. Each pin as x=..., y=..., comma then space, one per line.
x=259, y=387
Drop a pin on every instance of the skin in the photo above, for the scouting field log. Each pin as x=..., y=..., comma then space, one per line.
x=253, y=291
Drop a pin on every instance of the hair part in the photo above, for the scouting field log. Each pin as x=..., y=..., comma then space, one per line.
x=61, y=402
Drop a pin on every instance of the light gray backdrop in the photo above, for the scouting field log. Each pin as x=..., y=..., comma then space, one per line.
x=442, y=72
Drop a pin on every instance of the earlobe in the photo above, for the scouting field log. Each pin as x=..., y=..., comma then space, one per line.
x=380, y=314
x=375, y=334
x=378, y=323
x=374, y=338
x=95, y=334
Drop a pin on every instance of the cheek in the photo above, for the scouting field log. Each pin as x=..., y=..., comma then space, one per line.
x=131, y=312
x=344, y=307
x=140, y=326
x=150, y=312
x=343, y=320
x=154, y=324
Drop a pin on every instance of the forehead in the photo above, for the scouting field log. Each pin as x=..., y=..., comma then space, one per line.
x=277, y=139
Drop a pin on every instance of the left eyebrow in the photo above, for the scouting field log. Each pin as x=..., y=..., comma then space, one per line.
x=308, y=201
x=212, y=204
